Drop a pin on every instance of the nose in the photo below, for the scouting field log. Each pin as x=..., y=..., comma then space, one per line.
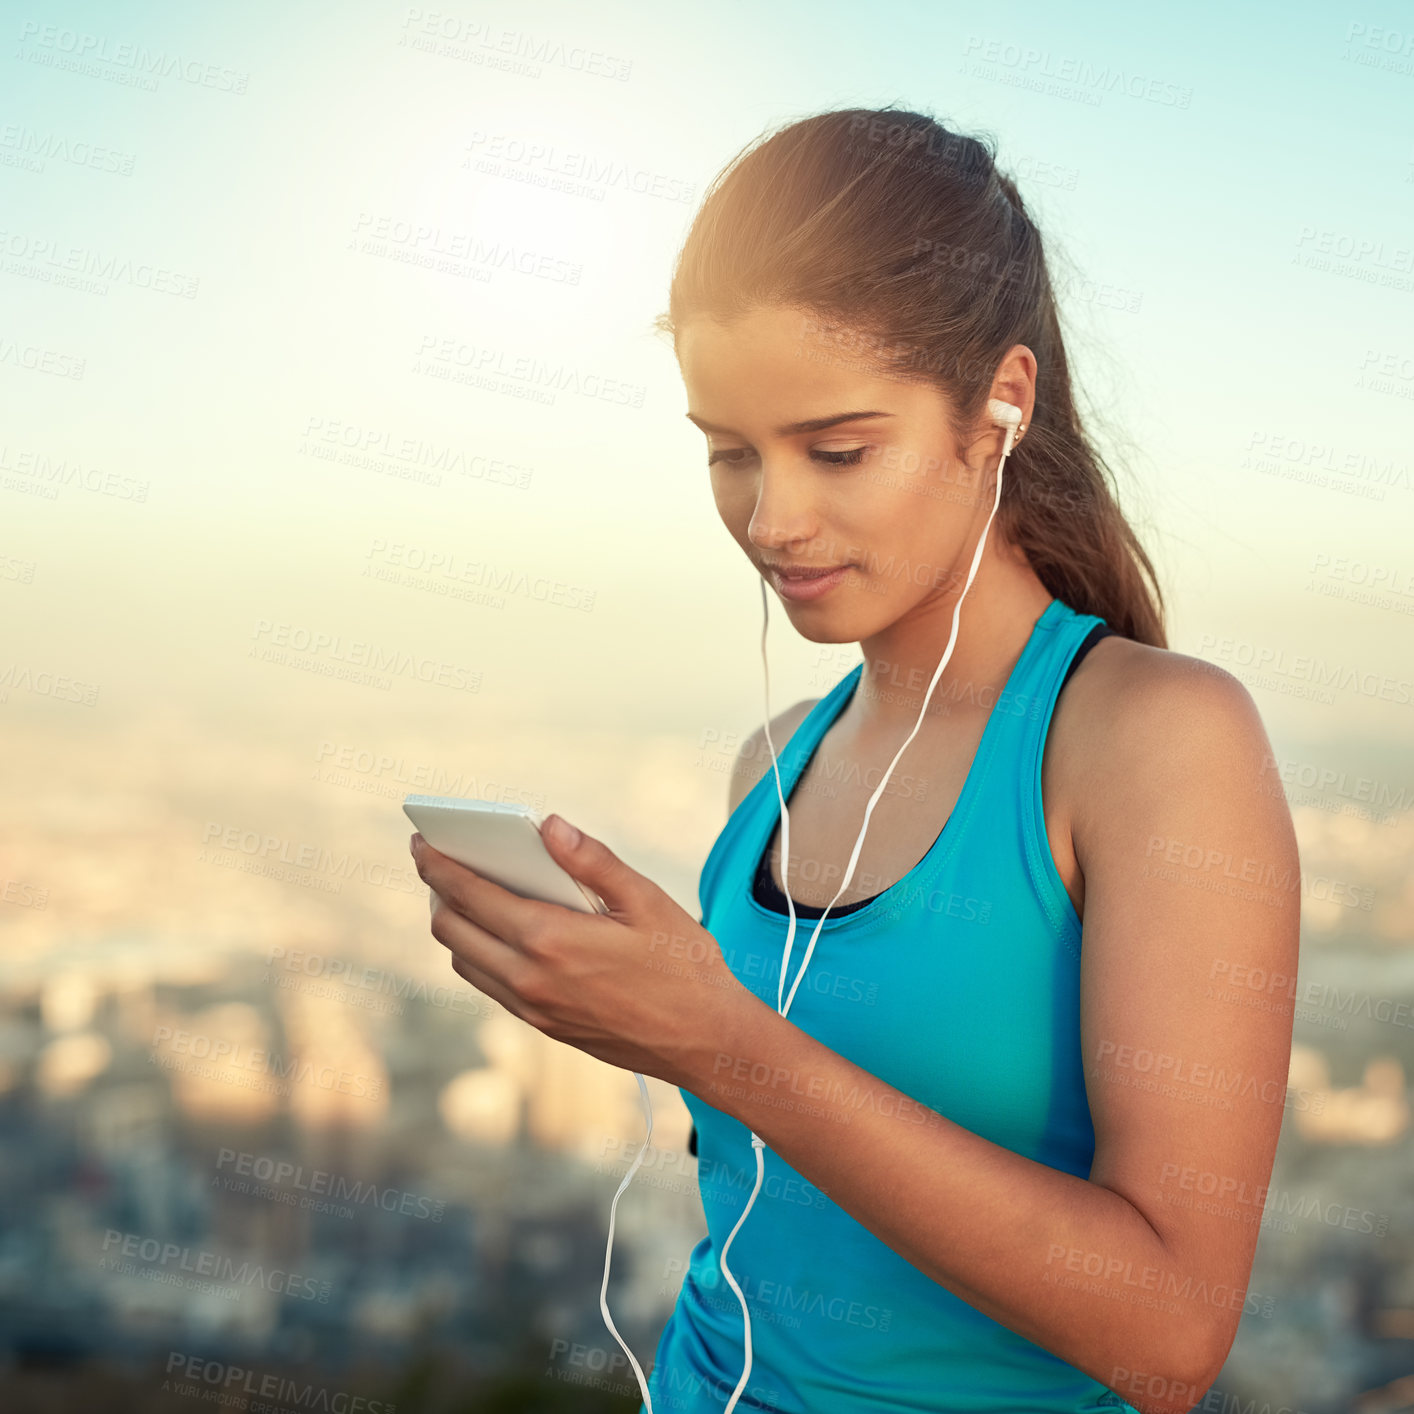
x=785, y=513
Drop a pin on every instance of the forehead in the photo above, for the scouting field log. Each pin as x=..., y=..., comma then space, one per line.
x=780, y=364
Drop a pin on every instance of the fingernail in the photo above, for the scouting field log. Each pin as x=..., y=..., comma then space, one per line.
x=565, y=833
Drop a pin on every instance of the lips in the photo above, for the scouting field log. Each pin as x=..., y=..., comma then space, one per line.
x=797, y=575
x=804, y=586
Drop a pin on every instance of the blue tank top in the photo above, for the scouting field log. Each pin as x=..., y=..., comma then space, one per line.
x=959, y=985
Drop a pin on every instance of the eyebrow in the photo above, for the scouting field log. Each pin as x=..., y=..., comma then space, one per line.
x=813, y=424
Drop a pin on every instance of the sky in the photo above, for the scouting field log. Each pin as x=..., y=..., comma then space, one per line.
x=223, y=445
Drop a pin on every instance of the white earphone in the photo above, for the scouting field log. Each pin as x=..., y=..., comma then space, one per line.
x=1002, y=414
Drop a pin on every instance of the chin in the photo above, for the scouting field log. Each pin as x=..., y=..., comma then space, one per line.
x=818, y=628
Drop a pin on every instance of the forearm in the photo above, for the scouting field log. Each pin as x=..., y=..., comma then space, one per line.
x=1068, y=1264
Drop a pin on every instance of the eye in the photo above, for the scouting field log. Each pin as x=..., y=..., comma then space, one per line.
x=723, y=453
x=852, y=457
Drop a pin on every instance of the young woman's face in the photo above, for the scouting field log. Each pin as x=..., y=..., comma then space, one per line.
x=816, y=462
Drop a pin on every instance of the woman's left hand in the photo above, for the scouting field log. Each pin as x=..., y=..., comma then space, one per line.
x=639, y=987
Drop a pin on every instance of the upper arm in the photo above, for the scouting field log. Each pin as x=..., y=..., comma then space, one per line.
x=1189, y=955
x=754, y=759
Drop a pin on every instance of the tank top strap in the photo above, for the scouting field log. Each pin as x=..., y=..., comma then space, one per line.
x=1068, y=629
x=1039, y=685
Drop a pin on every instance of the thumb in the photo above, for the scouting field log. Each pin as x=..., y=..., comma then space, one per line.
x=592, y=862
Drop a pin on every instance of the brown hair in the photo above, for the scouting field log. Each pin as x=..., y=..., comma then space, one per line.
x=904, y=240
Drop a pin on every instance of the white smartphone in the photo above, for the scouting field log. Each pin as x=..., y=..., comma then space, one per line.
x=503, y=843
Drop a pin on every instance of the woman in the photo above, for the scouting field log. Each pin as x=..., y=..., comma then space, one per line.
x=964, y=1169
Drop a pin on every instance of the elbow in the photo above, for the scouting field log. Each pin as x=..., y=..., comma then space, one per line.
x=1214, y=1352
x=1207, y=1353
x=1177, y=1379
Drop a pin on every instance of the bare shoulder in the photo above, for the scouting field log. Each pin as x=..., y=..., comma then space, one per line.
x=1144, y=694
x=754, y=758
x=1146, y=723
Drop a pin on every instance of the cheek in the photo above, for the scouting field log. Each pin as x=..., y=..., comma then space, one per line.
x=910, y=543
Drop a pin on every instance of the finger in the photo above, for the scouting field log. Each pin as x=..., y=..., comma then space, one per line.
x=493, y=989
x=507, y=970
x=593, y=863
x=500, y=912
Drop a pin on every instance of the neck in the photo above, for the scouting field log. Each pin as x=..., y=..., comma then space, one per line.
x=997, y=616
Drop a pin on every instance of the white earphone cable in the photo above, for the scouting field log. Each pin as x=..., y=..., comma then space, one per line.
x=1012, y=425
